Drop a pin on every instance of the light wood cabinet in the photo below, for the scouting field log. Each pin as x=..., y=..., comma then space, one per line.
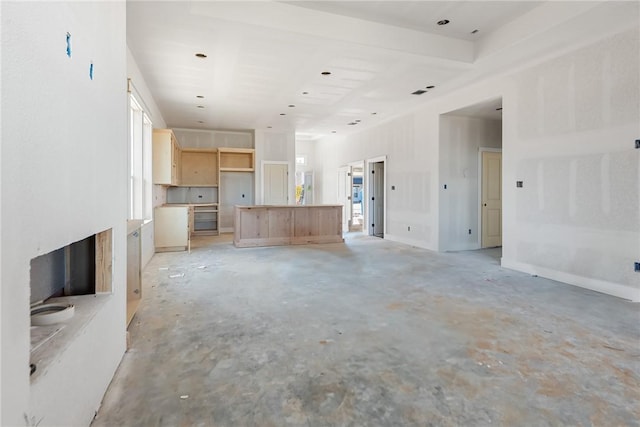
x=171, y=228
x=287, y=225
x=134, y=273
x=199, y=168
x=167, y=167
x=237, y=159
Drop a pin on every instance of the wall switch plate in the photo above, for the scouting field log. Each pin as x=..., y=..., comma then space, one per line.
x=637, y=143
x=636, y=267
x=445, y=186
x=409, y=228
x=393, y=187
x=519, y=184
x=469, y=231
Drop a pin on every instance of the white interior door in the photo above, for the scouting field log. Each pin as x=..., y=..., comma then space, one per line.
x=275, y=179
x=344, y=195
x=491, y=199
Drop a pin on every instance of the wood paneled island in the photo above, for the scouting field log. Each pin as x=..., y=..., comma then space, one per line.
x=269, y=225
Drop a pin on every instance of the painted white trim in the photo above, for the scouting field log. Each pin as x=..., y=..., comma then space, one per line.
x=275, y=162
x=480, y=151
x=609, y=288
x=365, y=183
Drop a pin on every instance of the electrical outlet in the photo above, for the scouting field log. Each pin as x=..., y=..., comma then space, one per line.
x=409, y=228
x=637, y=143
x=445, y=186
x=636, y=267
x=469, y=231
x=519, y=184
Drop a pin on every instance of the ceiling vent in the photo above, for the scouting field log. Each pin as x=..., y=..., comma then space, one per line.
x=418, y=92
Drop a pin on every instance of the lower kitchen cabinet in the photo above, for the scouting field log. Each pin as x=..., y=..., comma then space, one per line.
x=171, y=228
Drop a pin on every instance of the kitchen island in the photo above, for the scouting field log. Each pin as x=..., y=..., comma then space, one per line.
x=270, y=225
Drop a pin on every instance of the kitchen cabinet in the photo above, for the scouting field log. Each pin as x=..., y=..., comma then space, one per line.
x=199, y=168
x=287, y=225
x=166, y=154
x=172, y=228
x=134, y=270
x=205, y=220
x=237, y=159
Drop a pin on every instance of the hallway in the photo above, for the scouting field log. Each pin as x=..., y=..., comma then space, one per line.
x=370, y=332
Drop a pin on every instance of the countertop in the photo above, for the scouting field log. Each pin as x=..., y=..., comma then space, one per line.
x=285, y=206
x=188, y=204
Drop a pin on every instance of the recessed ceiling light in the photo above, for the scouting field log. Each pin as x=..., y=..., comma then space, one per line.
x=358, y=121
x=200, y=55
x=474, y=31
x=200, y=121
x=291, y=105
x=326, y=73
x=499, y=109
x=430, y=87
x=283, y=114
x=200, y=106
x=269, y=127
x=418, y=92
x=333, y=131
x=200, y=96
x=374, y=113
x=352, y=123
x=443, y=22
x=305, y=93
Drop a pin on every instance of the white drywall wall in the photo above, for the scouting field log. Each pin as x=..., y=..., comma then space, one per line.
x=64, y=177
x=204, y=138
x=460, y=141
x=569, y=123
x=411, y=146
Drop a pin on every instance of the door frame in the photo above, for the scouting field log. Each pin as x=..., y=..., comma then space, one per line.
x=262, y=170
x=347, y=206
x=366, y=183
x=480, y=151
x=363, y=165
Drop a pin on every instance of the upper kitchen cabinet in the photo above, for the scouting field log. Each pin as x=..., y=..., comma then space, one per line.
x=167, y=166
x=237, y=159
x=199, y=168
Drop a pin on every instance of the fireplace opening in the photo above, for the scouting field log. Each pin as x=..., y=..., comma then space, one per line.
x=74, y=276
x=64, y=272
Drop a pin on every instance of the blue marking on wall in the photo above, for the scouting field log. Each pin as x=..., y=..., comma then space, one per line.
x=91, y=71
x=69, y=45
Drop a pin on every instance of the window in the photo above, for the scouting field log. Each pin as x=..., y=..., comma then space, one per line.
x=140, y=185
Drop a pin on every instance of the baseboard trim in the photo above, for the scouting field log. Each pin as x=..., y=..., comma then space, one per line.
x=609, y=288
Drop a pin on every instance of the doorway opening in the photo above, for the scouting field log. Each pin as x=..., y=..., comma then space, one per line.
x=470, y=177
x=357, y=192
x=304, y=187
x=376, y=197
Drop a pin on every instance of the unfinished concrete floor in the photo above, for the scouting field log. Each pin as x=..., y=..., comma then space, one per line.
x=370, y=333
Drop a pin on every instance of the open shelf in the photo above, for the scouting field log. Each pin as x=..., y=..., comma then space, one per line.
x=237, y=159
